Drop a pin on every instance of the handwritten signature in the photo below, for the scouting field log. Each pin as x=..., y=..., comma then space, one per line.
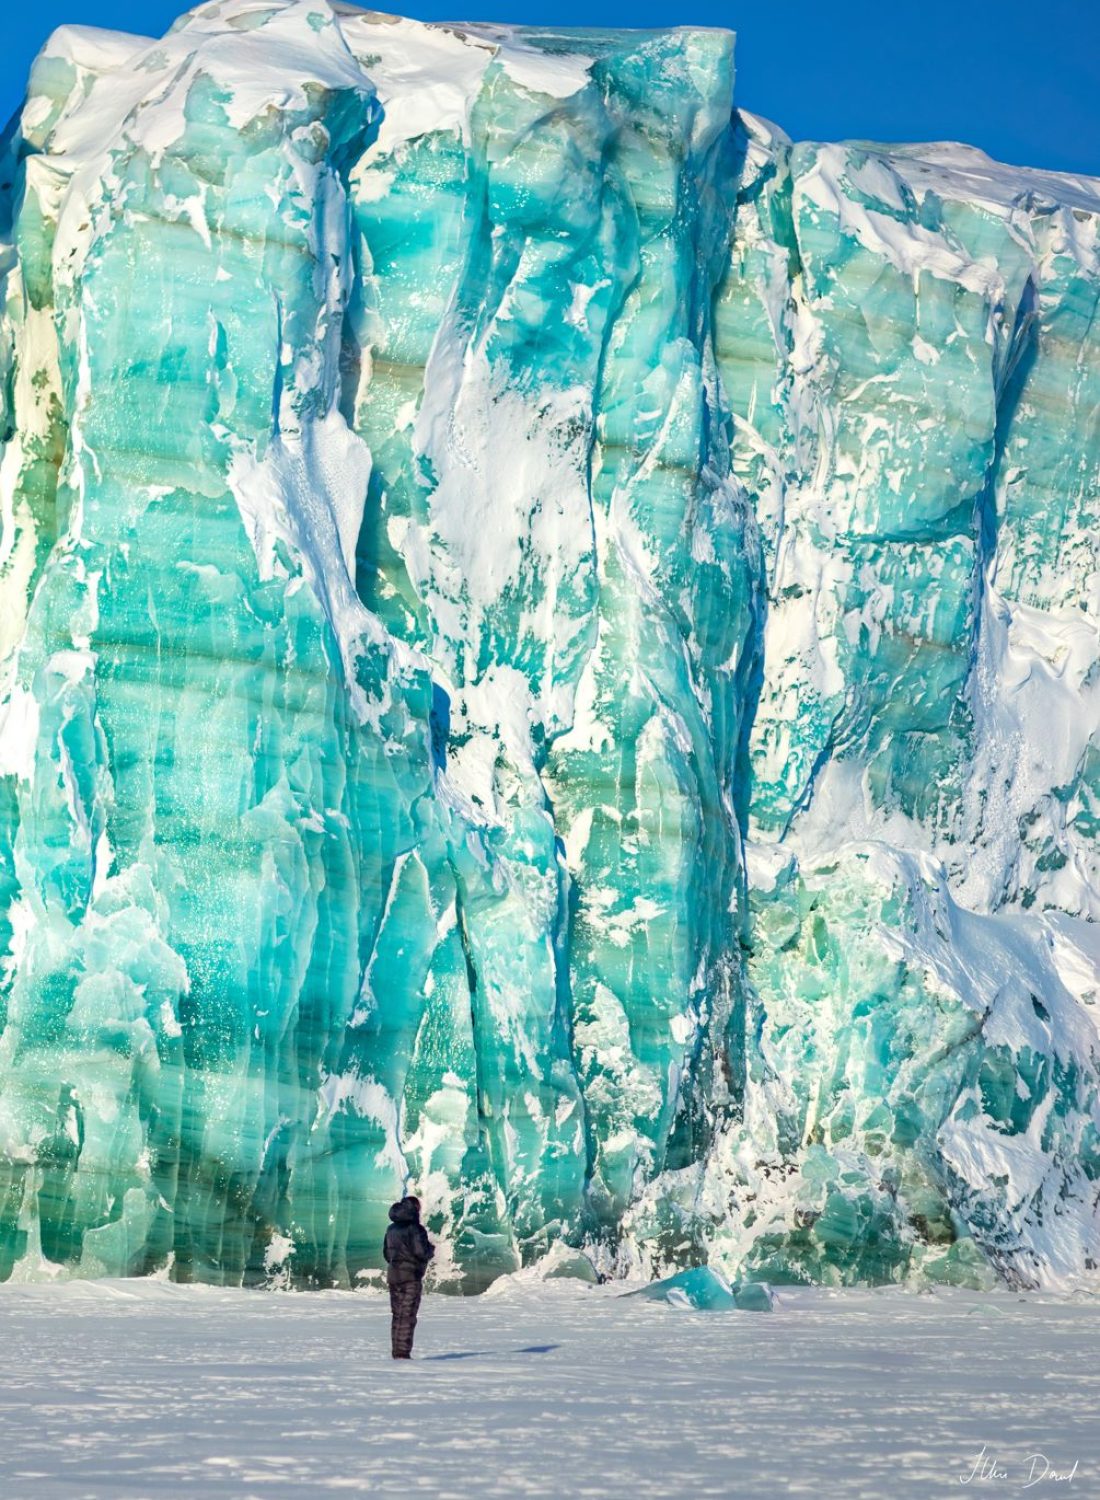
x=1035, y=1469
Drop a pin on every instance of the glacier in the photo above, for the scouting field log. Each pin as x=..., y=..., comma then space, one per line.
x=549, y=653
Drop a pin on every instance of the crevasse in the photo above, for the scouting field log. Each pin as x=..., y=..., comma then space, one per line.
x=549, y=653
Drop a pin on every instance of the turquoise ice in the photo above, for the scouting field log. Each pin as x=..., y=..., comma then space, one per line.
x=548, y=655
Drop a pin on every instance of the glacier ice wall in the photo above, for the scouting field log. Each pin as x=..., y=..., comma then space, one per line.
x=549, y=647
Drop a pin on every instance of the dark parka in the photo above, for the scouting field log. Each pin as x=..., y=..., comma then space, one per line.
x=406, y=1248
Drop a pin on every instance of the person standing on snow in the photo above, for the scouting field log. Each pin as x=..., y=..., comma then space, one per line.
x=407, y=1251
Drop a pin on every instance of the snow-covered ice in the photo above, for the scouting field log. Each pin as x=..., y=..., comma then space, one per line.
x=122, y=1390
x=549, y=653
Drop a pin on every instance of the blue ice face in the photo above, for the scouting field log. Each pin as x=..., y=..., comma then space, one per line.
x=472, y=506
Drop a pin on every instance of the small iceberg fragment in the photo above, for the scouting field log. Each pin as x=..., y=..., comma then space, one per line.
x=574, y=1267
x=753, y=1296
x=707, y=1290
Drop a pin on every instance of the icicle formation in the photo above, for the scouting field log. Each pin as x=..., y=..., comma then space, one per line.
x=549, y=650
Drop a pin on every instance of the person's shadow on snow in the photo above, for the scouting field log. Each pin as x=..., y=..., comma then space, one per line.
x=485, y=1353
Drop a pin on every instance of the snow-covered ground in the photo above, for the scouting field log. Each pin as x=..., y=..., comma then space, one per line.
x=117, y=1390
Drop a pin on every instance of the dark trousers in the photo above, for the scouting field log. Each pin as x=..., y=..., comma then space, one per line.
x=404, y=1306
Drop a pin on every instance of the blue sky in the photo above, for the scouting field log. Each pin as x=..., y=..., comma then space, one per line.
x=1020, y=78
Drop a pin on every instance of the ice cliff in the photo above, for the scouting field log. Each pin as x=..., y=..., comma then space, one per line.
x=549, y=651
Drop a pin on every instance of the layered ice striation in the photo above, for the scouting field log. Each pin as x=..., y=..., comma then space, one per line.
x=549, y=644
